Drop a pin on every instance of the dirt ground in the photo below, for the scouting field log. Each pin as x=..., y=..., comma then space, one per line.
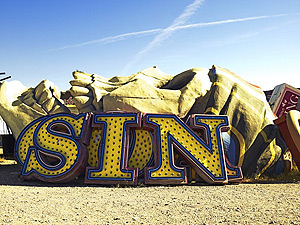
x=24, y=202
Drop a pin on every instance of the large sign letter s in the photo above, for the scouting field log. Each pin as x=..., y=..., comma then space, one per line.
x=51, y=149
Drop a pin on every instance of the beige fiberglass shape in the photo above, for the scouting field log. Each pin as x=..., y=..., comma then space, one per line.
x=147, y=91
x=196, y=91
x=20, y=105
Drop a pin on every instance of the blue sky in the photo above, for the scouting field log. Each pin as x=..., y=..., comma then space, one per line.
x=48, y=39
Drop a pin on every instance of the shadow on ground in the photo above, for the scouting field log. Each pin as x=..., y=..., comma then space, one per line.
x=10, y=175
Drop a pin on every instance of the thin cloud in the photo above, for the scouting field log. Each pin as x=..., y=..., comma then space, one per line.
x=166, y=33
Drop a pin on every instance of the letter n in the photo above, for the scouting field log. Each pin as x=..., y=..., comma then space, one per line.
x=206, y=158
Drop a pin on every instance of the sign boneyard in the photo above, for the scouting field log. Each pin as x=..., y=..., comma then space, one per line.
x=168, y=129
x=120, y=148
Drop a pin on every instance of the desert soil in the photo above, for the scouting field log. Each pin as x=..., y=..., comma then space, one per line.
x=24, y=202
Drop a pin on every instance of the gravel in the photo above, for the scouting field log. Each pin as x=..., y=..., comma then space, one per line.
x=34, y=202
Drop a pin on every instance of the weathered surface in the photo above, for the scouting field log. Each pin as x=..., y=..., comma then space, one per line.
x=253, y=141
x=20, y=105
x=256, y=140
x=147, y=91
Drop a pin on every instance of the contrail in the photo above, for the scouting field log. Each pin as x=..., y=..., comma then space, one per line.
x=196, y=25
x=167, y=32
x=163, y=35
x=110, y=39
x=126, y=36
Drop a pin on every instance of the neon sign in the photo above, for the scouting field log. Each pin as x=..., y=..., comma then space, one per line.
x=125, y=148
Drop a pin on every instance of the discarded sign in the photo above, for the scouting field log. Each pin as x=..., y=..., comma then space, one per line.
x=113, y=147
